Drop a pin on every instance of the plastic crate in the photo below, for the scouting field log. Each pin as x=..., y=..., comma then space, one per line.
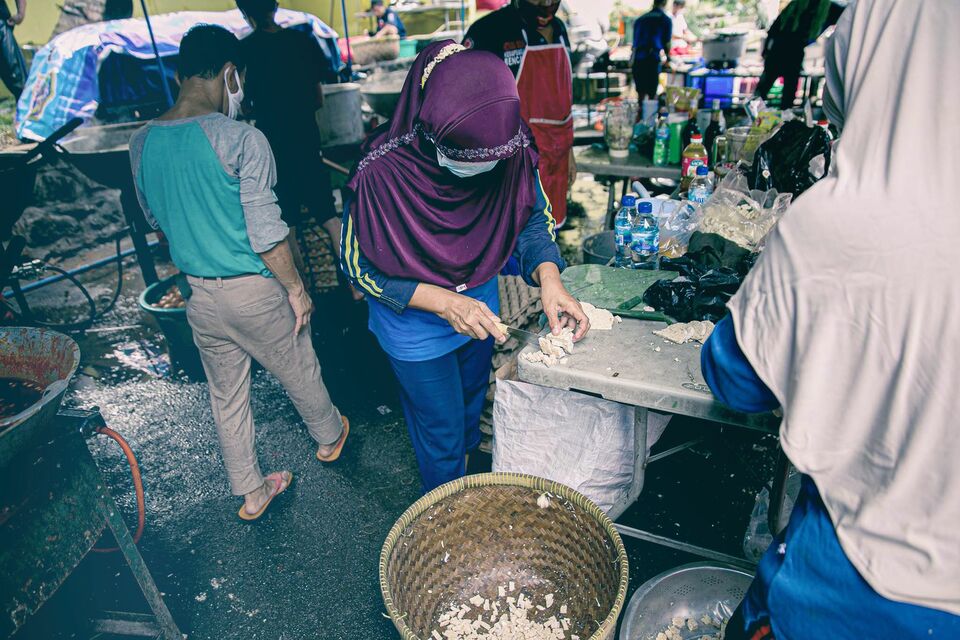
x=715, y=85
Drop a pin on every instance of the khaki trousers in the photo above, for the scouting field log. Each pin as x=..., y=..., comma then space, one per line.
x=234, y=320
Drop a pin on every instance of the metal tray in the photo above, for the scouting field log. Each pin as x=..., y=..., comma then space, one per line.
x=688, y=591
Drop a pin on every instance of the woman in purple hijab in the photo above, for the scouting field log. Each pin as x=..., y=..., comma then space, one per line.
x=446, y=193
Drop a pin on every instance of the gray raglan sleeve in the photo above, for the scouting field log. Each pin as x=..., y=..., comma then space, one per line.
x=136, y=156
x=258, y=175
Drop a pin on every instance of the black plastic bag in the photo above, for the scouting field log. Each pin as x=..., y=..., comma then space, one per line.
x=783, y=161
x=710, y=273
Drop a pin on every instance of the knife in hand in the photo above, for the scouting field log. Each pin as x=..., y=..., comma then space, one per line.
x=525, y=337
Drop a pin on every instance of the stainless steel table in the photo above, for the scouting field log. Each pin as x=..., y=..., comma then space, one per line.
x=632, y=366
x=600, y=164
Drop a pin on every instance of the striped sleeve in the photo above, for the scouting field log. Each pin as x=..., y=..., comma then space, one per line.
x=537, y=243
x=393, y=292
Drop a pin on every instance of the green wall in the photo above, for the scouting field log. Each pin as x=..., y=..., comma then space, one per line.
x=42, y=15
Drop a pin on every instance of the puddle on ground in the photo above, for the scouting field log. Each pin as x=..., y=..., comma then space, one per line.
x=143, y=356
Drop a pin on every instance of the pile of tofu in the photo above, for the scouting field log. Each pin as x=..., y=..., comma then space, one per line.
x=505, y=617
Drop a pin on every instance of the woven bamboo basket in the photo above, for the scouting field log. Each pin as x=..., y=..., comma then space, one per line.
x=473, y=535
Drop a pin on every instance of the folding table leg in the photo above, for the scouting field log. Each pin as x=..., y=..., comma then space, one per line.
x=168, y=628
x=611, y=201
x=778, y=491
x=639, y=464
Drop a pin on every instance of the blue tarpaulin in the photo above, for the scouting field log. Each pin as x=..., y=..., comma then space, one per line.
x=112, y=63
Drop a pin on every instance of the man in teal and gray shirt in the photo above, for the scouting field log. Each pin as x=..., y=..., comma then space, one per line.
x=207, y=181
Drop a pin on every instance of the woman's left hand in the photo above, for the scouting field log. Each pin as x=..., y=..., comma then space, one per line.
x=561, y=308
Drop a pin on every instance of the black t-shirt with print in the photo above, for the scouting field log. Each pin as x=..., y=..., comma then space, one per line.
x=502, y=31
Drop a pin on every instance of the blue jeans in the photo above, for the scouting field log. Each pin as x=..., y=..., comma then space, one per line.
x=442, y=401
x=806, y=588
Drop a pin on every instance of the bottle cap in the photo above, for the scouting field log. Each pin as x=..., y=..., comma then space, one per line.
x=716, y=104
x=823, y=123
x=702, y=170
x=696, y=138
x=646, y=207
x=629, y=201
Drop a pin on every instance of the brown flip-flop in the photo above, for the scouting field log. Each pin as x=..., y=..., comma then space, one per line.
x=278, y=488
x=339, y=446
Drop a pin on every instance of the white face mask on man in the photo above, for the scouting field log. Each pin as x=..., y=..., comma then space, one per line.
x=465, y=169
x=234, y=99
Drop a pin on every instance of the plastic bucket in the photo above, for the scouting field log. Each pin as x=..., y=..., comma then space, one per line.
x=599, y=248
x=408, y=48
x=173, y=323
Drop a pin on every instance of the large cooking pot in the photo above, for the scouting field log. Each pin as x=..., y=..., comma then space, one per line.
x=382, y=91
x=340, y=119
x=725, y=47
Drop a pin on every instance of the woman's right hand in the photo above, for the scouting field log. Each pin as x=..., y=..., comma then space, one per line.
x=471, y=317
x=467, y=316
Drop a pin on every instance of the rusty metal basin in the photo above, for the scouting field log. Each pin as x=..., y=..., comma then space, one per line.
x=42, y=356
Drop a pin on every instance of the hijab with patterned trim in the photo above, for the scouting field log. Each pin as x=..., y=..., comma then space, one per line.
x=415, y=219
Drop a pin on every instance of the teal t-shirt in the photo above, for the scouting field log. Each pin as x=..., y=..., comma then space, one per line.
x=208, y=183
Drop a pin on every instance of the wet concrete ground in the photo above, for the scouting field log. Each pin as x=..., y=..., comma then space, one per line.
x=309, y=569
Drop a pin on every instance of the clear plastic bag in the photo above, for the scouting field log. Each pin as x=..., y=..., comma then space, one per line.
x=758, y=536
x=742, y=215
x=677, y=223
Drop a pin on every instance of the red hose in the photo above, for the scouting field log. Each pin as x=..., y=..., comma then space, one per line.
x=137, y=485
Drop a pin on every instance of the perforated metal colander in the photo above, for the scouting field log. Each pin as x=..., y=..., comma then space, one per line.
x=690, y=591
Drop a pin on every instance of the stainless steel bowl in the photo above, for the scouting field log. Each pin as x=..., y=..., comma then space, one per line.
x=689, y=591
x=381, y=91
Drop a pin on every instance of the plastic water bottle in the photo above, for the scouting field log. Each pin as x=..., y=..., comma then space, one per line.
x=702, y=187
x=622, y=227
x=661, y=142
x=645, y=248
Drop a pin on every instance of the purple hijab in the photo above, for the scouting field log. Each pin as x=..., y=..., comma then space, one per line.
x=413, y=218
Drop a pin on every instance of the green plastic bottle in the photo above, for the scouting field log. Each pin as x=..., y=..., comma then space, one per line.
x=661, y=144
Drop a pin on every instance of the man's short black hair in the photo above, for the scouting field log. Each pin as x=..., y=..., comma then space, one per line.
x=259, y=10
x=680, y=3
x=205, y=49
x=659, y=4
x=376, y=3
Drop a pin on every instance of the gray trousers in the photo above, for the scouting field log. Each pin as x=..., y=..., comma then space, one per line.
x=233, y=321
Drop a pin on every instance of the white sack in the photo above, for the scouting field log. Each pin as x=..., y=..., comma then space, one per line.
x=578, y=440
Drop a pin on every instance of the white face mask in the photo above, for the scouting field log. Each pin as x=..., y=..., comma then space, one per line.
x=465, y=169
x=233, y=99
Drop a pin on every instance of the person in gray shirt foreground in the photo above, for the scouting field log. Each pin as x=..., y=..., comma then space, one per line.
x=207, y=181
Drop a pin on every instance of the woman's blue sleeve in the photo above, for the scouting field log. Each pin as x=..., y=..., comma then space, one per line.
x=730, y=375
x=537, y=242
x=393, y=292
